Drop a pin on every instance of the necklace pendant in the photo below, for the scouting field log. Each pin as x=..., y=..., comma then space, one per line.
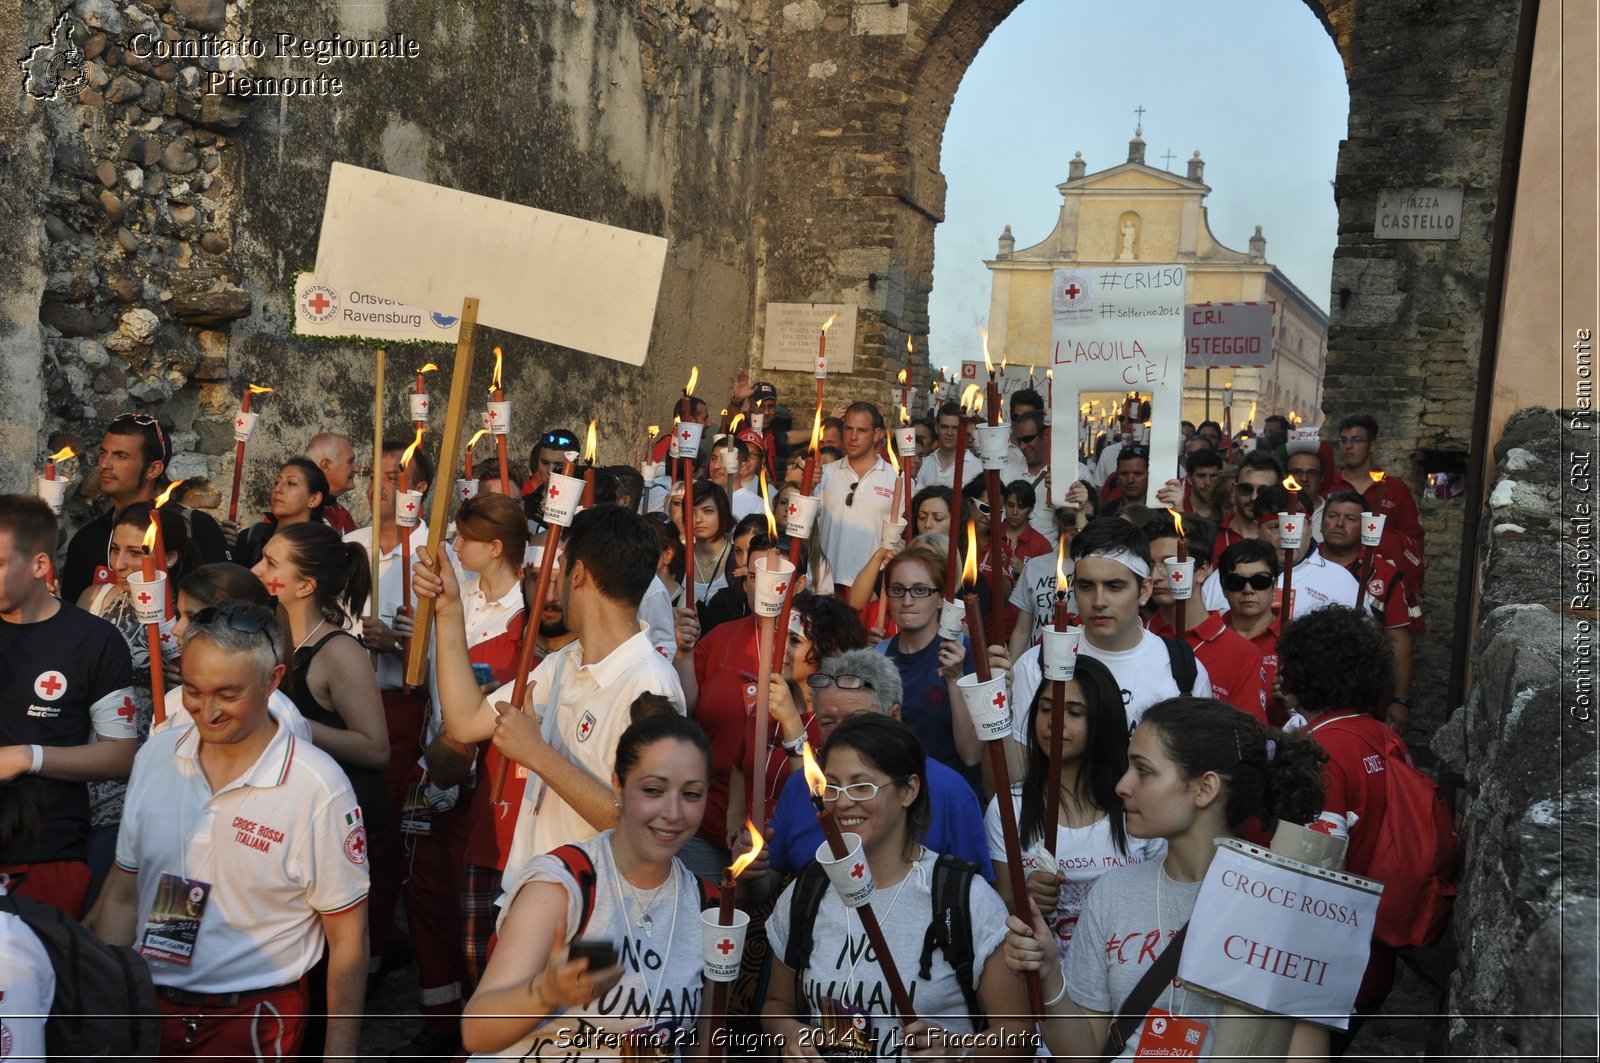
x=645, y=923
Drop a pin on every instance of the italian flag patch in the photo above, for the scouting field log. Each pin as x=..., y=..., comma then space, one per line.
x=352, y=817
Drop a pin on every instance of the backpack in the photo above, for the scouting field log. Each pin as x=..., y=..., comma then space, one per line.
x=581, y=868
x=105, y=1002
x=1180, y=658
x=1416, y=852
x=950, y=931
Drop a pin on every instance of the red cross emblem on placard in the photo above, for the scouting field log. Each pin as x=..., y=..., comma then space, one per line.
x=1071, y=291
x=126, y=710
x=999, y=699
x=725, y=946
x=856, y=872
x=319, y=303
x=50, y=685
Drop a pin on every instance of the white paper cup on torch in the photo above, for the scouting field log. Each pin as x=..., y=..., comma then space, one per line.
x=243, y=425
x=419, y=407
x=500, y=418
x=1180, y=577
x=486, y=425
x=652, y=470
x=466, y=489
x=54, y=493
x=772, y=585
x=561, y=499
x=687, y=438
x=1371, y=528
x=1058, y=656
x=724, y=945
x=407, y=508
x=801, y=516
x=1291, y=530
x=994, y=443
x=851, y=876
x=730, y=460
x=149, y=597
x=758, y=422
x=905, y=440
x=893, y=533
x=952, y=620
x=988, y=704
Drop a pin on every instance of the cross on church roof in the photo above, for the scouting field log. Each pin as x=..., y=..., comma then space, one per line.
x=1139, y=126
x=1167, y=158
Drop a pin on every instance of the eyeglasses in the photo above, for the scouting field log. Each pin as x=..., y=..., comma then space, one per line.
x=895, y=590
x=856, y=791
x=1025, y=440
x=1353, y=441
x=1256, y=581
x=846, y=681
x=1306, y=474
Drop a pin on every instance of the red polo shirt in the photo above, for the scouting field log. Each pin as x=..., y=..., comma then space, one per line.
x=1234, y=665
x=1227, y=535
x=1402, y=529
x=1266, y=644
x=1388, y=597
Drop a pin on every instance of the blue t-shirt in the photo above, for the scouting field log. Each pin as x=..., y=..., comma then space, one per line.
x=955, y=829
x=925, y=704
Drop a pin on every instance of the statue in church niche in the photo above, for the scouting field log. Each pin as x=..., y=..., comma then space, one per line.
x=1129, y=231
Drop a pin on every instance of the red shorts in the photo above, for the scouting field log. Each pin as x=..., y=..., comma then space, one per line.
x=61, y=884
x=265, y=1025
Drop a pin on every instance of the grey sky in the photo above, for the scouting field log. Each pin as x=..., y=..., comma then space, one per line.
x=1256, y=85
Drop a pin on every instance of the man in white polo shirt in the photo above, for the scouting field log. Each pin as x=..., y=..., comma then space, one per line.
x=1317, y=582
x=857, y=493
x=580, y=695
x=241, y=853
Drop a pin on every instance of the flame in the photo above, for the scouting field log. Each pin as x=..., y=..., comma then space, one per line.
x=826, y=325
x=654, y=430
x=161, y=499
x=987, y=363
x=1252, y=418
x=1050, y=374
x=63, y=454
x=694, y=378
x=902, y=378
x=1377, y=476
x=1004, y=359
x=968, y=393
x=405, y=458
x=1294, y=418
x=150, y=535
x=1292, y=485
x=1031, y=368
x=905, y=416
x=1061, y=568
x=909, y=350
x=816, y=430
x=431, y=368
x=257, y=389
x=1178, y=519
x=589, y=445
x=977, y=402
x=893, y=461
x=766, y=509
x=1084, y=409
x=746, y=859
x=969, y=567
x=723, y=412
x=815, y=779
x=479, y=434
x=733, y=425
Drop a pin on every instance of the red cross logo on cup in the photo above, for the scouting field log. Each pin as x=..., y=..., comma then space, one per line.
x=239, y=423
x=555, y=491
x=1177, y=577
x=410, y=506
x=144, y=598
x=999, y=699
x=494, y=415
x=724, y=946
x=685, y=434
x=1372, y=527
x=780, y=588
x=793, y=509
x=855, y=872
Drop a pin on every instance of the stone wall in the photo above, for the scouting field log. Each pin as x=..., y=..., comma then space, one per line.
x=159, y=250
x=1525, y=924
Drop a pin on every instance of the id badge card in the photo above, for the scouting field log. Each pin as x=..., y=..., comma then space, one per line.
x=846, y=1031
x=1168, y=1036
x=750, y=691
x=173, y=928
x=415, y=815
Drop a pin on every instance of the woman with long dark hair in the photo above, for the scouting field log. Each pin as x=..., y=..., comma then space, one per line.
x=1090, y=834
x=298, y=495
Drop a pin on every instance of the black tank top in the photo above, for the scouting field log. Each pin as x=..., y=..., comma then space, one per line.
x=368, y=783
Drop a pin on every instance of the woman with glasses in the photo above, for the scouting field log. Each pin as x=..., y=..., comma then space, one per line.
x=114, y=602
x=838, y=996
x=298, y=495
x=1090, y=835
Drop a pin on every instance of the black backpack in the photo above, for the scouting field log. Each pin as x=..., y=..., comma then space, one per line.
x=950, y=931
x=1180, y=657
x=105, y=1002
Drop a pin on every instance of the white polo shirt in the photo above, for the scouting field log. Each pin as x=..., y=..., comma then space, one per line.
x=850, y=533
x=278, y=703
x=589, y=714
x=655, y=611
x=1317, y=584
x=932, y=474
x=391, y=666
x=280, y=847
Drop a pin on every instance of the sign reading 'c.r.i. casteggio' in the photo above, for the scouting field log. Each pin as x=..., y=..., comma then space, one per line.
x=1418, y=214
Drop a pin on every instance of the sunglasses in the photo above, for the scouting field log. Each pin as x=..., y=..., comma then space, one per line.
x=850, y=495
x=817, y=680
x=1025, y=440
x=981, y=507
x=559, y=440
x=1257, y=581
x=1139, y=451
x=143, y=420
x=1247, y=490
x=240, y=616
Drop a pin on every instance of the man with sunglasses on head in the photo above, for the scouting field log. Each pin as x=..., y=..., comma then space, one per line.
x=547, y=456
x=242, y=853
x=1389, y=496
x=857, y=493
x=132, y=467
x=853, y=682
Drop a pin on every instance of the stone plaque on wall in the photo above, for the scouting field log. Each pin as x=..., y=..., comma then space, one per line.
x=1419, y=214
x=793, y=330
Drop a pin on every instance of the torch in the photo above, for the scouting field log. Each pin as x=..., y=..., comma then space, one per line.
x=54, y=493
x=852, y=865
x=407, y=508
x=149, y=593
x=420, y=406
x=647, y=467
x=243, y=425
x=467, y=486
x=688, y=449
x=1180, y=578
x=1371, y=536
x=801, y=518
x=987, y=701
x=822, y=355
x=723, y=933
x=1058, y=701
x=952, y=567
x=905, y=377
x=1227, y=415
x=500, y=422
x=1291, y=533
x=774, y=583
x=589, y=451
x=161, y=541
x=993, y=444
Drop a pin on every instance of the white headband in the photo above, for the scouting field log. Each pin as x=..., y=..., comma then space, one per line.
x=1126, y=558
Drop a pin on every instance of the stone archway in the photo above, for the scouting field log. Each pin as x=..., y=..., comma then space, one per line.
x=860, y=93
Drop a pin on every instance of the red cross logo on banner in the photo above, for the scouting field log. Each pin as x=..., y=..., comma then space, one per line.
x=999, y=699
x=319, y=303
x=50, y=685
x=126, y=710
x=1071, y=291
x=725, y=946
x=855, y=872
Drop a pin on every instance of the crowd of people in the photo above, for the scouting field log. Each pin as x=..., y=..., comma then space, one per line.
x=296, y=821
